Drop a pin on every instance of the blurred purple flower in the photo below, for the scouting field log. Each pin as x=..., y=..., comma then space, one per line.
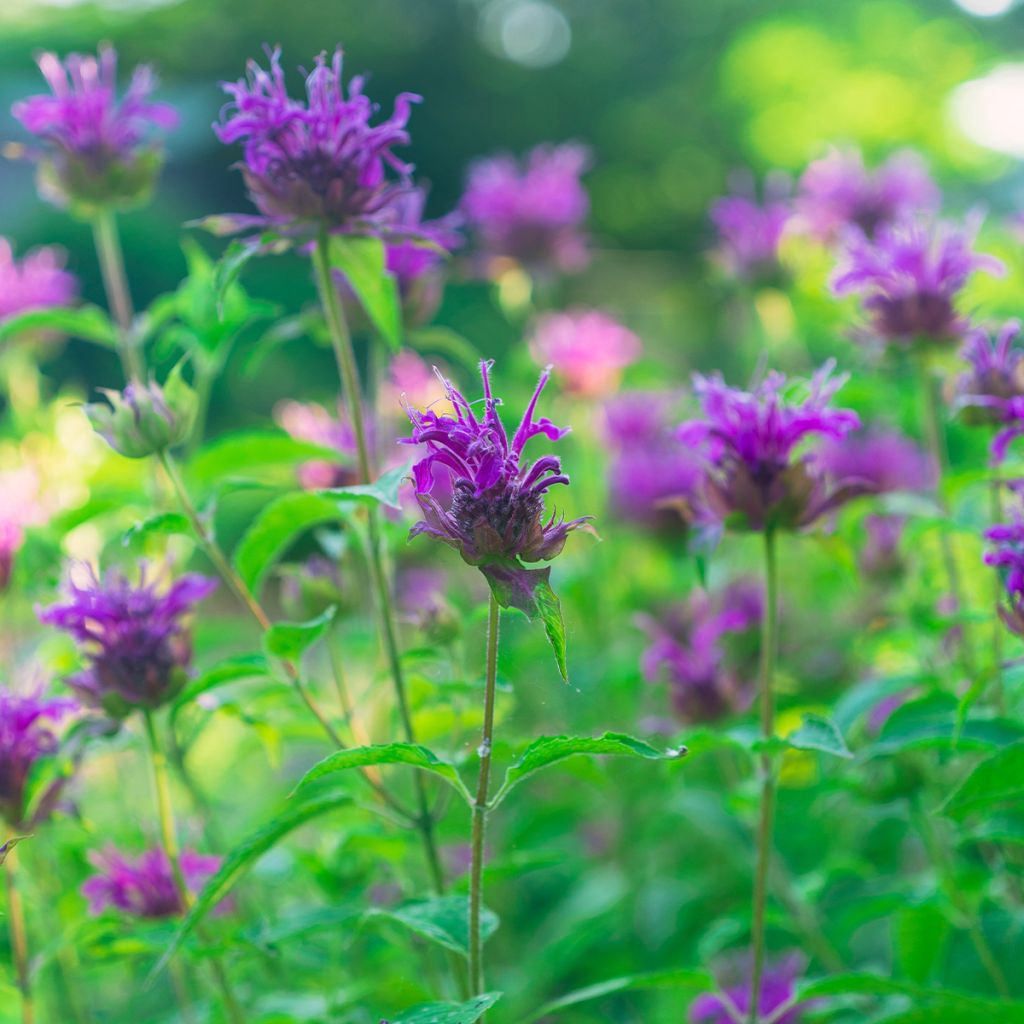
x=910, y=276
x=320, y=161
x=37, y=281
x=755, y=478
x=884, y=709
x=99, y=149
x=144, y=886
x=587, y=349
x=839, y=192
x=879, y=557
x=749, y=232
x=688, y=653
x=532, y=214
x=885, y=459
x=778, y=987
x=307, y=421
x=136, y=646
x=990, y=393
x=26, y=735
x=1008, y=557
x=652, y=479
x=21, y=505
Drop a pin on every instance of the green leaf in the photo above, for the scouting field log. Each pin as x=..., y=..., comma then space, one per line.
x=818, y=733
x=244, y=855
x=692, y=981
x=996, y=781
x=550, y=610
x=242, y=666
x=386, y=753
x=164, y=523
x=441, y=919
x=549, y=750
x=289, y=640
x=90, y=323
x=230, y=266
x=447, y=342
x=361, y=260
x=384, y=491
x=448, y=1013
x=233, y=454
x=279, y=524
x=920, y=934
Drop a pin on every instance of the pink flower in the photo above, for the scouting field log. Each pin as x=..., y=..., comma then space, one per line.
x=36, y=281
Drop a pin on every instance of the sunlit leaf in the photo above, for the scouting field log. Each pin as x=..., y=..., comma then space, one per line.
x=290, y=640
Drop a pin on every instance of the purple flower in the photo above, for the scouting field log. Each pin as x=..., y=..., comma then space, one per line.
x=749, y=233
x=652, y=479
x=144, y=886
x=26, y=735
x=839, y=192
x=531, y=214
x=687, y=651
x=99, y=149
x=910, y=275
x=136, y=647
x=1008, y=558
x=307, y=421
x=587, y=349
x=318, y=161
x=755, y=478
x=37, y=281
x=778, y=986
x=884, y=459
x=879, y=557
x=990, y=392
x=493, y=513
x=420, y=594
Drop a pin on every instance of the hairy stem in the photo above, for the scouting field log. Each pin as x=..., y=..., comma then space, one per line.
x=115, y=283
x=476, y=878
x=769, y=642
x=19, y=938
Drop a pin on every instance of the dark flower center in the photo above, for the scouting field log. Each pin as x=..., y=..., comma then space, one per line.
x=501, y=520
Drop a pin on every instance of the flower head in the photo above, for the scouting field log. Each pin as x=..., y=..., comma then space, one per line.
x=99, y=149
x=750, y=233
x=587, y=349
x=319, y=160
x=885, y=459
x=532, y=214
x=778, y=986
x=687, y=651
x=756, y=477
x=1007, y=556
x=26, y=735
x=910, y=276
x=136, y=646
x=307, y=421
x=144, y=886
x=995, y=375
x=839, y=192
x=37, y=281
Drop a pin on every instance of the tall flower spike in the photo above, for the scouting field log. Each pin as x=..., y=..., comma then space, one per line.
x=756, y=475
x=37, y=281
x=99, y=151
x=135, y=644
x=318, y=162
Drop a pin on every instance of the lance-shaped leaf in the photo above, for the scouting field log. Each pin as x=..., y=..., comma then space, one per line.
x=384, y=754
x=90, y=323
x=383, y=491
x=362, y=262
x=290, y=640
x=441, y=919
x=448, y=1013
x=549, y=750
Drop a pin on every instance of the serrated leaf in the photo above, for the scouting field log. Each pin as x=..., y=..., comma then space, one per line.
x=996, y=781
x=382, y=754
x=245, y=854
x=448, y=1013
x=362, y=262
x=279, y=524
x=242, y=666
x=289, y=640
x=90, y=323
x=164, y=523
x=441, y=919
x=549, y=750
x=383, y=491
x=248, y=450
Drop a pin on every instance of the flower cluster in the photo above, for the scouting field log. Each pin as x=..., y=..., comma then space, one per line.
x=910, y=276
x=144, y=886
x=687, y=652
x=750, y=233
x=838, y=192
x=37, y=281
x=26, y=735
x=318, y=161
x=136, y=646
x=1008, y=557
x=587, y=349
x=755, y=477
x=98, y=148
x=532, y=215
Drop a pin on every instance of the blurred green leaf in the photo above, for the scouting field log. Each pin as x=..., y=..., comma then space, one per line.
x=230, y=670
x=90, y=323
x=933, y=722
x=230, y=455
x=814, y=733
x=920, y=934
x=362, y=262
x=383, y=491
x=448, y=1013
x=446, y=342
x=996, y=781
x=163, y=523
x=441, y=919
x=290, y=640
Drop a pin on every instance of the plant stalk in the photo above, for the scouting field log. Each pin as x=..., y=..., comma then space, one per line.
x=115, y=283
x=19, y=938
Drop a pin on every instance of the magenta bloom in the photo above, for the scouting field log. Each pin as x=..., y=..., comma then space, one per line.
x=37, y=281
x=758, y=473
x=587, y=349
x=487, y=503
x=910, y=276
x=136, y=646
x=991, y=392
x=26, y=735
x=99, y=150
x=749, y=233
x=532, y=214
x=687, y=651
x=884, y=459
x=144, y=886
x=838, y=192
x=652, y=479
x=320, y=160
x=778, y=986
x=307, y=421
x=1008, y=557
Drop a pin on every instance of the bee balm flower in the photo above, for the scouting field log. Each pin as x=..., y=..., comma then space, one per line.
x=37, y=281
x=750, y=233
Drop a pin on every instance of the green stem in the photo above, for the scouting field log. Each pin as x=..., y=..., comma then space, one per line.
x=996, y=494
x=115, y=283
x=344, y=354
x=19, y=938
x=769, y=642
x=476, y=878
